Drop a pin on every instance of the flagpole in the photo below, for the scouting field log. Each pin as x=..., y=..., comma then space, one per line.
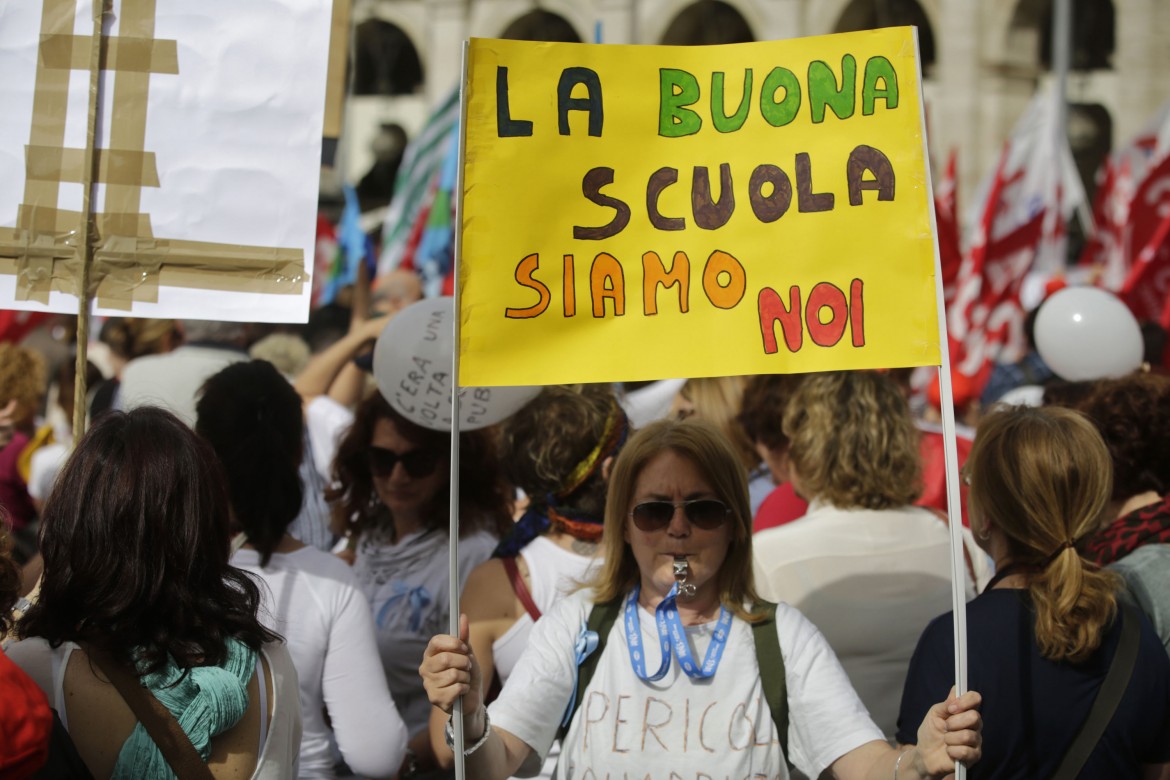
x=453, y=530
x=950, y=448
x=1061, y=63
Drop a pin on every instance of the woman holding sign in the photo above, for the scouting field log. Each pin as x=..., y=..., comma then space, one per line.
x=670, y=667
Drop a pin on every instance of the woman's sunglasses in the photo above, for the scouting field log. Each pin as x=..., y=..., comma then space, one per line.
x=705, y=513
x=417, y=463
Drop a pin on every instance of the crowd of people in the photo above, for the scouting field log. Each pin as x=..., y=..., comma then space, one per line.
x=719, y=578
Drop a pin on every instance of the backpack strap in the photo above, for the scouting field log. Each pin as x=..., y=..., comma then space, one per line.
x=771, y=663
x=1108, y=695
x=160, y=724
x=601, y=619
x=520, y=588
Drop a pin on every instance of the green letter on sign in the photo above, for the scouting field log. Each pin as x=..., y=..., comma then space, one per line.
x=823, y=90
x=879, y=68
x=778, y=114
x=678, y=89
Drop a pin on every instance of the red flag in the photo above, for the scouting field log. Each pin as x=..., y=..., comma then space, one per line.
x=15, y=325
x=1147, y=287
x=947, y=221
x=1034, y=190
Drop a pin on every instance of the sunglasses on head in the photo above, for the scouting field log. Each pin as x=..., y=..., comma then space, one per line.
x=417, y=463
x=705, y=513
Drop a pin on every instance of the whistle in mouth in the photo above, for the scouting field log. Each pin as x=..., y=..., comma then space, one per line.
x=682, y=571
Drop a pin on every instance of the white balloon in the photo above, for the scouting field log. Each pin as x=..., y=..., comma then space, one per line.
x=1086, y=333
x=412, y=366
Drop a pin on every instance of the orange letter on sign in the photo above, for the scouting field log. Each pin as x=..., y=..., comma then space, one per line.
x=773, y=310
x=524, y=277
x=654, y=273
x=724, y=296
x=606, y=280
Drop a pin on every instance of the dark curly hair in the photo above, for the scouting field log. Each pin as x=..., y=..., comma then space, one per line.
x=484, y=495
x=762, y=409
x=135, y=541
x=543, y=442
x=251, y=416
x=1132, y=415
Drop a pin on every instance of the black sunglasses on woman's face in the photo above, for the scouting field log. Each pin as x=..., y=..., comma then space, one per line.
x=417, y=463
x=705, y=513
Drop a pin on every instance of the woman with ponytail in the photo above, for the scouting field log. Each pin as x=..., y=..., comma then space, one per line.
x=1044, y=633
x=252, y=418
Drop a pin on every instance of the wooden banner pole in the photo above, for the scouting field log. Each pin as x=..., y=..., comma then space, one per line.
x=87, y=228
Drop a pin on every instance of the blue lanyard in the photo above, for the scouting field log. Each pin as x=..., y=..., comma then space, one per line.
x=671, y=632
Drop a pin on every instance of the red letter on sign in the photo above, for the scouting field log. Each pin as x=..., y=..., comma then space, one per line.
x=773, y=310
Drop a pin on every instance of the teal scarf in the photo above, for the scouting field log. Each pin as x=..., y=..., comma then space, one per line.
x=208, y=701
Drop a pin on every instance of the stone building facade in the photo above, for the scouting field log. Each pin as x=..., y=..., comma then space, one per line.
x=983, y=59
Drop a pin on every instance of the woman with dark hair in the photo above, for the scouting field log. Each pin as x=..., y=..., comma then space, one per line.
x=135, y=541
x=1132, y=414
x=685, y=682
x=558, y=450
x=1043, y=636
x=252, y=418
x=393, y=491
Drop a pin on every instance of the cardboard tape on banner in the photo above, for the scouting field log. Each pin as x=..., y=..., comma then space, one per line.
x=338, y=68
x=115, y=166
x=50, y=246
x=142, y=55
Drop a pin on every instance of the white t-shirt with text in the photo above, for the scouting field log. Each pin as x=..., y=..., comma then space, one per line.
x=679, y=728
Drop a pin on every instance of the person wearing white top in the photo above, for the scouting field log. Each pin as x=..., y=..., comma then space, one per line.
x=251, y=416
x=557, y=449
x=678, y=563
x=865, y=566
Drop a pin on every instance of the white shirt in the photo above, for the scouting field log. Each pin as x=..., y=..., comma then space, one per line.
x=311, y=598
x=553, y=572
x=679, y=727
x=171, y=380
x=870, y=580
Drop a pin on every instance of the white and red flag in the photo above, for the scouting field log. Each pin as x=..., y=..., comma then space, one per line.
x=1019, y=227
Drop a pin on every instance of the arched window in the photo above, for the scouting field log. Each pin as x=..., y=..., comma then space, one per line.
x=708, y=22
x=875, y=14
x=1092, y=32
x=385, y=60
x=541, y=26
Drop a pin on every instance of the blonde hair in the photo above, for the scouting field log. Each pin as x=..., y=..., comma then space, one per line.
x=718, y=400
x=22, y=379
x=853, y=441
x=1043, y=477
x=702, y=444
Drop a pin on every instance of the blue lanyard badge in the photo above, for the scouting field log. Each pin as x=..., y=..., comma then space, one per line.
x=671, y=632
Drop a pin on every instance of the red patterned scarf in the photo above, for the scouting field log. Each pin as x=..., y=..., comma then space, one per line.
x=1148, y=525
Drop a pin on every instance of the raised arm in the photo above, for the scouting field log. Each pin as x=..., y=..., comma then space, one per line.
x=450, y=671
x=324, y=368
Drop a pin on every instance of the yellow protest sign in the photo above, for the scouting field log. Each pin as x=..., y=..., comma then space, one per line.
x=641, y=212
